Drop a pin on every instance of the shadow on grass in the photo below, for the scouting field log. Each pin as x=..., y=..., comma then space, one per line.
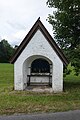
x=72, y=86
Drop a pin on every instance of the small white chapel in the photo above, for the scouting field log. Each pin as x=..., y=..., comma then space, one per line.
x=38, y=60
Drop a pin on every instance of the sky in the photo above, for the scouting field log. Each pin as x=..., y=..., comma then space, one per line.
x=18, y=16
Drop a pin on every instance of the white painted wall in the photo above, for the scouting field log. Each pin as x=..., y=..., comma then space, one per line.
x=38, y=47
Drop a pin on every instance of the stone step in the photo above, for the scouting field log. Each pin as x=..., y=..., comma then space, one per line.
x=39, y=84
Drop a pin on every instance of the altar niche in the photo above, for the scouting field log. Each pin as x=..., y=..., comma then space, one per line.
x=40, y=73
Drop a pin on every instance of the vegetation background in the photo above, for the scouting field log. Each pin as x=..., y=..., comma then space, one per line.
x=66, y=28
x=6, y=51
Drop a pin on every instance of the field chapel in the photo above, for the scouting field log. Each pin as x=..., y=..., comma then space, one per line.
x=38, y=61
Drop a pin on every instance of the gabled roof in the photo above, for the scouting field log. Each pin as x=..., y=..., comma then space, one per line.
x=38, y=25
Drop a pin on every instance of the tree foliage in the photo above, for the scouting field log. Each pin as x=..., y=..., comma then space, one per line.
x=6, y=51
x=66, y=25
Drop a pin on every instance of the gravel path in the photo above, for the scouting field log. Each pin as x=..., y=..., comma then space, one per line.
x=71, y=115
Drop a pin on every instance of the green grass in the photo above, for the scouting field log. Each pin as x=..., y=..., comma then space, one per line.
x=28, y=102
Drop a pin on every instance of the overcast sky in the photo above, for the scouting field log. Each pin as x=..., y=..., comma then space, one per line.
x=18, y=16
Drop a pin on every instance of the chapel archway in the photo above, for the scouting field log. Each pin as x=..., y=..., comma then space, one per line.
x=39, y=71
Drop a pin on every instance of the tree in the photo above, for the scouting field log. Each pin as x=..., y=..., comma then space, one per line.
x=6, y=51
x=66, y=25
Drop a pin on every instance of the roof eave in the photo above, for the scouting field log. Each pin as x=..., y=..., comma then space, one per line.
x=38, y=25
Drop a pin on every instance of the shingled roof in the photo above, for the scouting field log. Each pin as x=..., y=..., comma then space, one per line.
x=39, y=25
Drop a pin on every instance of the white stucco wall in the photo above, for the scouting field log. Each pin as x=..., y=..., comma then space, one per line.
x=38, y=46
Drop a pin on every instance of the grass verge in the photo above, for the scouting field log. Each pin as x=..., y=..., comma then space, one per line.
x=28, y=102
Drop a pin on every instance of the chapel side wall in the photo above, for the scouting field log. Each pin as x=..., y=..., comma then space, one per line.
x=25, y=72
x=57, y=84
x=18, y=76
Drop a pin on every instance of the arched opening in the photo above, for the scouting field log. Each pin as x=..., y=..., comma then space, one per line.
x=40, y=66
x=39, y=71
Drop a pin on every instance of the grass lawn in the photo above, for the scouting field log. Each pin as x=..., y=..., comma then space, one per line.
x=28, y=102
